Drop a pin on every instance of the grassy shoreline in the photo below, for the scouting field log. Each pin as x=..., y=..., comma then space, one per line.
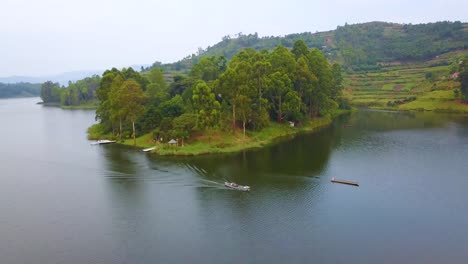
x=217, y=141
x=82, y=106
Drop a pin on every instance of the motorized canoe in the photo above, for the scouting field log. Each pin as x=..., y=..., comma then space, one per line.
x=236, y=186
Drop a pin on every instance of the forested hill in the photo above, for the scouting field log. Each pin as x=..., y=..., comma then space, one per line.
x=12, y=90
x=352, y=45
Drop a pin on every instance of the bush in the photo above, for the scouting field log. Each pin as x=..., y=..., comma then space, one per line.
x=429, y=76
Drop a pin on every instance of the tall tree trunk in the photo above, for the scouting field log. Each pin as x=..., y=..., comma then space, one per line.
x=233, y=117
x=243, y=124
x=280, y=113
x=310, y=107
x=134, y=136
x=120, y=129
x=259, y=94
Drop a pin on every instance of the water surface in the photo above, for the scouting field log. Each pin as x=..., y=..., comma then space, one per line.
x=65, y=201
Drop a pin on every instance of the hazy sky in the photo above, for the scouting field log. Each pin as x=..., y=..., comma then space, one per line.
x=39, y=37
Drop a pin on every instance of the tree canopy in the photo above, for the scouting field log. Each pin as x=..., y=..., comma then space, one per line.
x=251, y=90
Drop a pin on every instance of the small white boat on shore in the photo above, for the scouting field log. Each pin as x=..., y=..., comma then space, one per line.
x=236, y=186
x=102, y=142
x=148, y=149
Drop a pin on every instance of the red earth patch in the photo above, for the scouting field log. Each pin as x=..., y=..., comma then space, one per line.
x=459, y=101
x=398, y=87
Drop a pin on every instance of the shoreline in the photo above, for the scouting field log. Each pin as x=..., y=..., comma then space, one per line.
x=223, y=142
x=66, y=107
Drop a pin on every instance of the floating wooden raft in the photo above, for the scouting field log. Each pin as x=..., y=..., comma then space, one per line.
x=344, y=182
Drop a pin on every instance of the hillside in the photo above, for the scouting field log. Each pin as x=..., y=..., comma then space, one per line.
x=357, y=47
x=427, y=85
x=14, y=90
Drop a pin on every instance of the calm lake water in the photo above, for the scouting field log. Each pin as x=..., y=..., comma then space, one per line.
x=65, y=201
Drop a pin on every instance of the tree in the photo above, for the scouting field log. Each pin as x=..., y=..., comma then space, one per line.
x=132, y=99
x=261, y=68
x=282, y=60
x=115, y=103
x=279, y=86
x=337, y=81
x=183, y=125
x=320, y=67
x=206, y=107
x=180, y=84
x=157, y=87
x=173, y=107
x=130, y=73
x=300, y=49
x=103, y=111
x=292, y=106
x=50, y=92
x=244, y=109
x=209, y=68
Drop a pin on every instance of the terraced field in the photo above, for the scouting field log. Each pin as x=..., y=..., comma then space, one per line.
x=409, y=86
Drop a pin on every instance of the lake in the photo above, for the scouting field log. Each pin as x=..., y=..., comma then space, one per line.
x=63, y=200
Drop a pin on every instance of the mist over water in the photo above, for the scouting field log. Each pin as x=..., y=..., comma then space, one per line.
x=65, y=201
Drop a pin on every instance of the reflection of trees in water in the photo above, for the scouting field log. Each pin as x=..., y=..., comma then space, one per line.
x=122, y=172
x=387, y=120
x=119, y=160
x=306, y=155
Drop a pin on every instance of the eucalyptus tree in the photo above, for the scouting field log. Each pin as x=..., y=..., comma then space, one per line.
x=132, y=99
x=206, y=106
x=279, y=86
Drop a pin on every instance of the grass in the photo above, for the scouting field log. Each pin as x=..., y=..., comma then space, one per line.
x=91, y=105
x=144, y=141
x=83, y=106
x=96, y=132
x=439, y=101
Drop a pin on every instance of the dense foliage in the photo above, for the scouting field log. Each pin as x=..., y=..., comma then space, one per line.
x=361, y=46
x=253, y=89
x=76, y=93
x=10, y=90
x=383, y=42
x=463, y=77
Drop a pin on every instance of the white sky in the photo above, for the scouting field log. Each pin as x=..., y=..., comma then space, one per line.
x=41, y=37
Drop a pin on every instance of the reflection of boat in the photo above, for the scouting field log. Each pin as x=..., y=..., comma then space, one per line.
x=236, y=186
x=148, y=149
x=102, y=141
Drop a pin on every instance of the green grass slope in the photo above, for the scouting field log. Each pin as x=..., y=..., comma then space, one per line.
x=427, y=85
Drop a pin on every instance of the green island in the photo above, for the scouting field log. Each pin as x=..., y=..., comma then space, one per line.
x=220, y=106
x=215, y=141
x=246, y=91
x=76, y=95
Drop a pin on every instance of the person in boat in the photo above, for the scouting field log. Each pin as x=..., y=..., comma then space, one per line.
x=234, y=184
